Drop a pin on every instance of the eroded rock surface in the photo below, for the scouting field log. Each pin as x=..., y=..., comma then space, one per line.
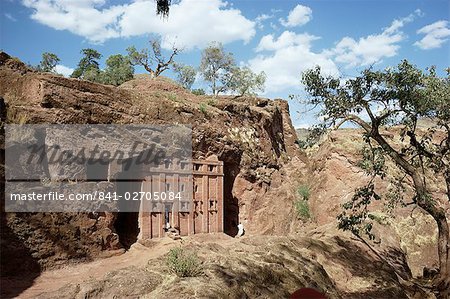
x=254, y=137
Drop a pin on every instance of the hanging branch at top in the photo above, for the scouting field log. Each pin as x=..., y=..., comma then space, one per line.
x=162, y=7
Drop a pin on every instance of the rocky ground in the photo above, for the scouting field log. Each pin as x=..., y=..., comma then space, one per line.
x=248, y=267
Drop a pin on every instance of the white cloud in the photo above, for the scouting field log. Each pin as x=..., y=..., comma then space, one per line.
x=289, y=55
x=399, y=23
x=190, y=24
x=367, y=50
x=259, y=20
x=64, y=70
x=299, y=16
x=286, y=39
x=372, y=48
x=10, y=17
x=82, y=17
x=436, y=34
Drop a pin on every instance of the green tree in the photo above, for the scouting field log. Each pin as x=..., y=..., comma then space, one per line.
x=48, y=62
x=399, y=96
x=94, y=75
x=88, y=67
x=118, y=70
x=185, y=75
x=245, y=82
x=216, y=67
x=146, y=58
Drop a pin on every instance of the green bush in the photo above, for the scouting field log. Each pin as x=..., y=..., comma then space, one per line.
x=202, y=108
x=173, y=97
x=301, y=204
x=302, y=209
x=182, y=263
x=212, y=102
x=199, y=92
x=304, y=192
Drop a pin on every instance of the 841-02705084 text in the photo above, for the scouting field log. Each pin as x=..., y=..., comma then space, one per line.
x=97, y=195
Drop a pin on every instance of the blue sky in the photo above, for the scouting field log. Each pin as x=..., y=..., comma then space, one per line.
x=281, y=37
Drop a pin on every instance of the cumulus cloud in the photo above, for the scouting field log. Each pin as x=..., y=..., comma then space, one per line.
x=372, y=48
x=283, y=59
x=298, y=16
x=83, y=17
x=286, y=39
x=367, y=50
x=191, y=23
x=436, y=34
x=63, y=70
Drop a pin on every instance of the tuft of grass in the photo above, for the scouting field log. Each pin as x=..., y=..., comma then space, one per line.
x=183, y=263
x=212, y=102
x=173, y=97
x=302, y=209
x=304, y=192
x=301, y=204
x=202, y=107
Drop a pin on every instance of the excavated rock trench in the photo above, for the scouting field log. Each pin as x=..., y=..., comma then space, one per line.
x=253, y=137
x=255, y=140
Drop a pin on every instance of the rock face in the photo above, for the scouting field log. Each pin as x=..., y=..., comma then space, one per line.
x=335, y=175
x=253, y=137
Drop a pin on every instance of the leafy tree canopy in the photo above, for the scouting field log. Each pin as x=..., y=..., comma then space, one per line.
x=216, y=66
x=153, y=61
x=118, y=70
x=88, y=65
x=402, y=96
x=185, y=75
x=48, y=62
x=245, y=82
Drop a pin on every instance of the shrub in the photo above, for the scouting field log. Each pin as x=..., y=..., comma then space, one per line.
x=173, y=97
x=301, y=204
x=199, y=92
x=302, y=208
x=202, y=108
x=304, y=192
x=212, y=102
x=182, y=263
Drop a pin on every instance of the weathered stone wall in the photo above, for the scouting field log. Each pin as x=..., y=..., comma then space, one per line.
x=253, y=137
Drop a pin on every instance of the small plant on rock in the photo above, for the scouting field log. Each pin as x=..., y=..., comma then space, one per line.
x=183, y=263
x=202, y=108
x=304, y=192
x=301, y=204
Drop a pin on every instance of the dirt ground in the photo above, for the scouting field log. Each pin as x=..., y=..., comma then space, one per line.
x=246, y=267
x=52, y=280
x=137, y=256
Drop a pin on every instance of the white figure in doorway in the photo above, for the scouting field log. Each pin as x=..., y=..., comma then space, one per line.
x=241, y=230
